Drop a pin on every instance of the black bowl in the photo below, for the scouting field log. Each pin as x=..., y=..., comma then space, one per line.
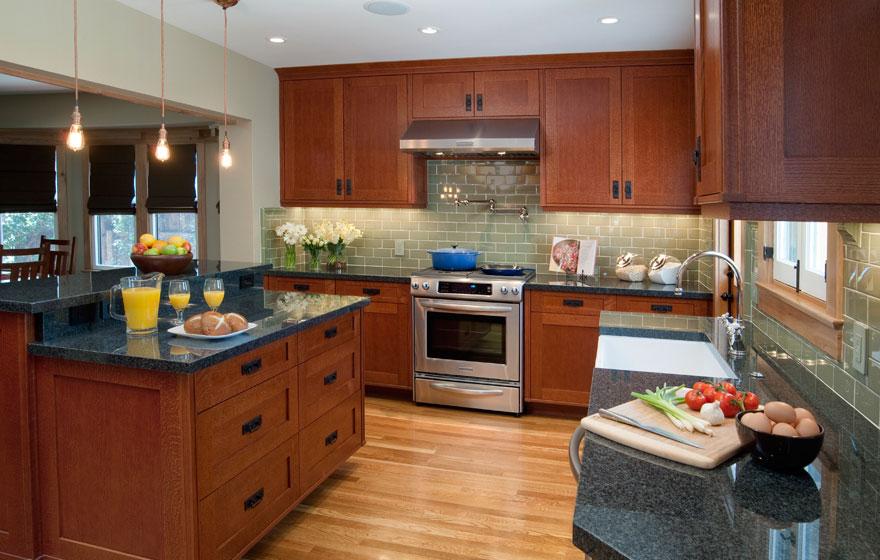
x=782, y=453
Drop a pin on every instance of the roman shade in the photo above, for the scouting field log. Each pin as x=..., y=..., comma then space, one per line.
x=111, y=180
x=27, y=178
x=171, y=186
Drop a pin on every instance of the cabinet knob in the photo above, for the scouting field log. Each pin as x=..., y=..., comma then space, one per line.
x=615, y=189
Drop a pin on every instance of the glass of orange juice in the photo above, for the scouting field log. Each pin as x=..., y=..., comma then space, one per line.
x=140, y=301
x=214, y=292
x=178, y=295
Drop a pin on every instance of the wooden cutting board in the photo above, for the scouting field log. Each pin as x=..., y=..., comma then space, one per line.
x=716, y=449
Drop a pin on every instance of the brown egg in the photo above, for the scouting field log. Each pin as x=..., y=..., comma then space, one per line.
x=757, y=421
x=780, y=412
x=803, y=413
x=807, y=427
x=783, y=429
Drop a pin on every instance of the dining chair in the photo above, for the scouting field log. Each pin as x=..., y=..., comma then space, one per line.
x=61, y=258
x=24, y=270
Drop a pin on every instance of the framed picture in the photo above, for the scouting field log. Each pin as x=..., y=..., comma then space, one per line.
x=573, y=256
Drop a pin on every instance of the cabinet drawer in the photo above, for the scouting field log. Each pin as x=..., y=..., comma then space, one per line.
x=378, y=292
x=240, y=373
x=231, y=517
x=330, y=439
x=669, y=306
x=294, y=284
x=571, y=303
x=235, y=433
x=327, y=379
x=331, y=334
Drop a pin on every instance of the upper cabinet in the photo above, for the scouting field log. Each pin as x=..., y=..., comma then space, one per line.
x=618, y=139
x=500, y=93
x=788, y=123
x=340, y=143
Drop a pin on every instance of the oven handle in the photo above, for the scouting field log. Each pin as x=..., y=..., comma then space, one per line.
x=453, y=389
x=466, y=307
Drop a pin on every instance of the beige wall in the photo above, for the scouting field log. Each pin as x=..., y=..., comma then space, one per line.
x=119, y=49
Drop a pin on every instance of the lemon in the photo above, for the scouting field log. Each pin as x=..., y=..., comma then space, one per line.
x=176, y=240
x=147, y=239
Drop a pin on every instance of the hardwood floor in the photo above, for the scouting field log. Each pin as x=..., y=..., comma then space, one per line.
x=439, y=483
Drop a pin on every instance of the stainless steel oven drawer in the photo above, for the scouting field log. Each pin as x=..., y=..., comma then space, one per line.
x=469, y=395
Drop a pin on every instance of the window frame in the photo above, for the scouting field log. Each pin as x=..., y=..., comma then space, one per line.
x=786, y=273
x=819, y=322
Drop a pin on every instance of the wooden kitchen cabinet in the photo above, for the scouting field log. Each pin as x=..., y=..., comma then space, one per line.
x=476, y=94
x=618, y=139
x=788, y=122
x=340, y=144
x=299, y=284
x=664, y=306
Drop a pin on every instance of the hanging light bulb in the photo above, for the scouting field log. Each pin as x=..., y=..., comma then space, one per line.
x=75, y=138
x=225, y=153
x=162, y=150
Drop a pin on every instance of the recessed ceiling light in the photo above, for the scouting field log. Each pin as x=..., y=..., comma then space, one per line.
x=429, y=30
x=276, y=39
x=608, y=20
x=386, y=7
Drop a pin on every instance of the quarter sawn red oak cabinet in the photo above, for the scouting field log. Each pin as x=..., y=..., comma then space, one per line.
x=502, y=93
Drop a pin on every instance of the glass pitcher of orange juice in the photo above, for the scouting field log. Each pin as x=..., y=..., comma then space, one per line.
x=140, y=300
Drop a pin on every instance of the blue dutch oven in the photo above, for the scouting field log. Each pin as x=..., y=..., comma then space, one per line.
x=452, y=258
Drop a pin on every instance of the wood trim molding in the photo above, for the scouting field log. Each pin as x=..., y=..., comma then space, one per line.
x=95, y=136
x=810, y=320
x=142, y=217
x=62, y=220
x=202, y=194
x=714, y=207
x=476, y=64
x=88, y=257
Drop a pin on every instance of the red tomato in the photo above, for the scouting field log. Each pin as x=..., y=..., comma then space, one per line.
x=701, y=386
x=694, y=400
x=730, y=405
x=709, y=393
x=750, y=401
x=725, y=387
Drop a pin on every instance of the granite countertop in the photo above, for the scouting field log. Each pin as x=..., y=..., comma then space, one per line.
x=58, y=292
x=351, y=272
x=277, y=314
x=634, y=505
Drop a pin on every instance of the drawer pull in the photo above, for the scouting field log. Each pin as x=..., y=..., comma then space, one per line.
x=301, y=287
x=331, y=439
x=372, y=291
x=330, y=379
x=331, y=332
x=254, y=500
x=661, y=308
x=252, y=367
x=252, y=426
x=573, y=302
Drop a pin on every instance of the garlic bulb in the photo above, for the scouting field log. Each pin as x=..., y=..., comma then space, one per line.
x=711, y=413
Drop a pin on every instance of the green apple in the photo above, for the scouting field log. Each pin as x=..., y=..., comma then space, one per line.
x=151, y=252
x=168, y=249
x=181, y=251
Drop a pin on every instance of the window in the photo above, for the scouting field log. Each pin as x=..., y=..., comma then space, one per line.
x=800, y=254
x=114, y=235
x=28, y=195
x=22, y=230
x=184, y=224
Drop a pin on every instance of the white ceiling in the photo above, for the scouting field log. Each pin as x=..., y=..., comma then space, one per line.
x=11, y=84
x=342, y=31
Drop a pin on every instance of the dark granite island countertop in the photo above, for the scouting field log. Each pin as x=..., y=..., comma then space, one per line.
x=638, y=506
x=277, y=315
x=351, y=272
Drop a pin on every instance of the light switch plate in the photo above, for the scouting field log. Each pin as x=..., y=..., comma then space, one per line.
x=398, y=247
x=860, y=347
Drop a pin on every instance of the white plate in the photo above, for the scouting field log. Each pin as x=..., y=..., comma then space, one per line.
x=178, y=331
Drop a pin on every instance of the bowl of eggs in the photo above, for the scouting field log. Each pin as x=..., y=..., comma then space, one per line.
x=784, y=437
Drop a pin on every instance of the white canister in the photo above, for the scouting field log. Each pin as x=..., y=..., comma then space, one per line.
x=663, y=269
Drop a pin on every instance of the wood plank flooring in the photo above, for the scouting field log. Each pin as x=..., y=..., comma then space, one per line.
x=439, y=483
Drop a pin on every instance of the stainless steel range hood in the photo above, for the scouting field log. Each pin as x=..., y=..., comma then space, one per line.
x=473, y=136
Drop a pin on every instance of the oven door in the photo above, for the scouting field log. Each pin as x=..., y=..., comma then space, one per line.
x=467, y=338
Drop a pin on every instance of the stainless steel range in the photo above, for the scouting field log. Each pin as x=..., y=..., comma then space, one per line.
x=467, y=339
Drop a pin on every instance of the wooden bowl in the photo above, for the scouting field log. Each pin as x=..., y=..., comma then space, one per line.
x=169, y=265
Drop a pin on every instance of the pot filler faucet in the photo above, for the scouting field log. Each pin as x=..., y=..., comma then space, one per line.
x=734, y=325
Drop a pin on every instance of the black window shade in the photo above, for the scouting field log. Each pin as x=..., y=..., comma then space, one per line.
x=111, y=180
x=171, y=186
x=27, y=178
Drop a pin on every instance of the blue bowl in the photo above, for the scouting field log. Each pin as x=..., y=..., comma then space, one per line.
x=451, y=258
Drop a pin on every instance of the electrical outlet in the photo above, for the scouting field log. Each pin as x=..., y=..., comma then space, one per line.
x=860, y=347
x=398, y=247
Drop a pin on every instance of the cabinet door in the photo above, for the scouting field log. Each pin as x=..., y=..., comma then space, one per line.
x=506, y=93
x=375, y=119
x=581, y=138
x=563, y=354
x=443, y=95
x=707, y=88
x=658, y=128
x=311, y=141
x=387, y=345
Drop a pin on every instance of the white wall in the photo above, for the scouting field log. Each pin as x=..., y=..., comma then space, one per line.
x=119, y=48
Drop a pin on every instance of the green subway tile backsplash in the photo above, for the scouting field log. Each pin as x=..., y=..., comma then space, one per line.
x=502, y=237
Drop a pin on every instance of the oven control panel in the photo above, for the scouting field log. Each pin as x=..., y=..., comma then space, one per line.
x=464, y=288
x=467, y=289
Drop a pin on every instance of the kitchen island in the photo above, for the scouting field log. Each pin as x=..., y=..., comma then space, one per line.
x=167, y=447
x=634, y=505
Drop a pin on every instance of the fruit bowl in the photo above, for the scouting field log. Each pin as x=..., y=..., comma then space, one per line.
x=776, y=451
x=169, y=265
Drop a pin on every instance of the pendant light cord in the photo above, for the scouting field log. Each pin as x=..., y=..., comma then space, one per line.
x=225, y=24
x=162, y=33
x=75, y=58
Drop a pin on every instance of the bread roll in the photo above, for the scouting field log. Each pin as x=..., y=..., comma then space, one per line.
x=236, y=322
x=213, y=324
x=193, y=325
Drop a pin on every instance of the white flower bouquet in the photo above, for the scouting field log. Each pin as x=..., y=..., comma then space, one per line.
x=291, y=234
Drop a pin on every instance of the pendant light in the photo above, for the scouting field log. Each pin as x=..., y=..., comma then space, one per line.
x=162, y=151
x=75, y=138
x=226, y=152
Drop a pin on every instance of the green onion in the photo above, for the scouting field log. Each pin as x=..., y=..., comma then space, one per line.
x=664, y=400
